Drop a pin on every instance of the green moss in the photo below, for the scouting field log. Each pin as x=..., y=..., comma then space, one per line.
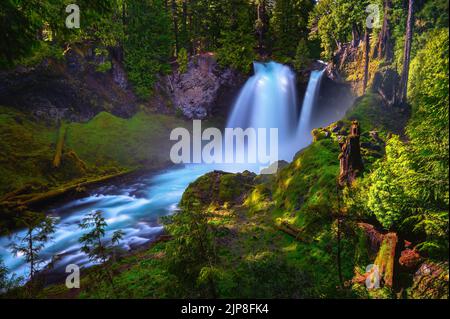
x=232, y=187
x=309, y=180
x=219, y=188
x=26, y=151
x=259, y=199
x=110, y=140
x=372, y=114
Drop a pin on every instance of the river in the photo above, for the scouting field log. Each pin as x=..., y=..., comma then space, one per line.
x=134, y=207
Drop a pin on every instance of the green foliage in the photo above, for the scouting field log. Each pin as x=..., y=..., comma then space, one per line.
x=41, y=51
x=92, y=241
x=409, y=190
x=386, y=195
x=434, y=15
x=147, y=45
x=7, y=282
x=302, y=56
x=94, y=245
x=428, y=94
x=39, y=229
x=236, y=50
x=18, y=25
x=136, y=142
x=26, y=150
x=429, y=15
x=27, y=24
x=288, y=24
x=269, y=275
x=191, y=253
x=332, y=22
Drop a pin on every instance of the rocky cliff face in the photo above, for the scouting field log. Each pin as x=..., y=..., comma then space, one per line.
x=205, y=89
x=85, y=83
x=74, y=89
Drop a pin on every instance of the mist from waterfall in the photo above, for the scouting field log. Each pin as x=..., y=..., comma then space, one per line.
x=269, y=100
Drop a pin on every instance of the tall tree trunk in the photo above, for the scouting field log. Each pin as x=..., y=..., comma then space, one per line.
x=184, y=21
x=191, y=29
x=175, y=26
x=403, y=92
x=260, y=26
x=385, y=50
x=366, y=59
x=355, y=36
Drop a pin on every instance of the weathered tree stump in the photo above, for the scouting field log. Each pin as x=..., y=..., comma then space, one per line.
x=351, y=163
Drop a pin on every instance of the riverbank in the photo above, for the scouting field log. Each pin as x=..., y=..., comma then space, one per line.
x=94, y=152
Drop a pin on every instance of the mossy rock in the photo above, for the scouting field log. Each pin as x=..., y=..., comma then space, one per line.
x=219, y=188
x=320, y=134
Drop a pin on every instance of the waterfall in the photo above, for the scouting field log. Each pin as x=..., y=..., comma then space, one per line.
x=310, y=100
x=269, y=100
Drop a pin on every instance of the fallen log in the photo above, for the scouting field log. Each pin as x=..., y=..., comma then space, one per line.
x=290, y=230
x=31, y=200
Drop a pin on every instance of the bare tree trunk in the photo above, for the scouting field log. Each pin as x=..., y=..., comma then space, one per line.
x=366, y=59
x=403, y=92
x=385, y=49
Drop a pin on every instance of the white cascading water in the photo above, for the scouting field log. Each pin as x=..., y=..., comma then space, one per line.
x=269, y=100
x=310, y=100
